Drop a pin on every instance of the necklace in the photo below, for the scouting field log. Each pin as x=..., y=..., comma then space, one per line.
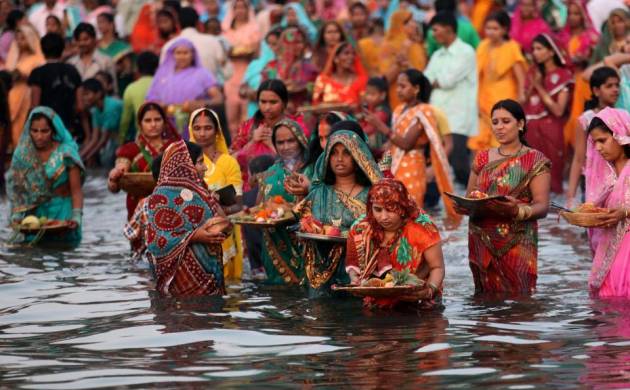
x=509, y=155
x=348, y=194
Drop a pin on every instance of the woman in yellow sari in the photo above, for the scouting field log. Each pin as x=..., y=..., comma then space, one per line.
x=25, y=54
x=223, y=170
x=501, y=70
x=398, y=52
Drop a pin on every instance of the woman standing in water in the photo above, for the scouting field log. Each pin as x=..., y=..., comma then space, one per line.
x=46, y=175
x=609, y=171
x=503, y=240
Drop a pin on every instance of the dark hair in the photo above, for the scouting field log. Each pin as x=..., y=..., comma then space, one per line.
x=598, y=123
x=84, y=28
x=543, y=40
x=276, y=86
x=55, y=18
x=213, y=119
x=5, y=114
x=320, y=38
x=503, y=19
x=39, y=115
x=7, y=79
x=188, y=17
x=275, y=31
x=379, y=83
x=376, y=23
x=151, y=106
x=358, y=4
x=599, y=78
x=107, y=16
x=108, y=82
x=516, y=110
x=93, y=85
x=15, y=15
x=445, y=6
x=148, y=63
x=445, y=18
x=260, y=164
x=175, y=5
x=194, y=151
x=314, y=147
x=418, y=79
x=349, y=125
x=52, y=45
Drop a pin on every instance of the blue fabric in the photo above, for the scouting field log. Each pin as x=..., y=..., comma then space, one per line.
x=305, y=22
x=253, y=73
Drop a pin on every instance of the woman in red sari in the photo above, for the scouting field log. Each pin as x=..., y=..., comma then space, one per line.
x=155, y=135
x=395, y=236
x=503, y=238
x=548, y=91
x=343, y=79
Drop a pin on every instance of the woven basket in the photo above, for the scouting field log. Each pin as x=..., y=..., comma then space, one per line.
x=582, y=219
x=137, y=183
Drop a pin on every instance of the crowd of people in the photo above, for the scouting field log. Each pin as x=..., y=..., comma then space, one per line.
x=361, y=114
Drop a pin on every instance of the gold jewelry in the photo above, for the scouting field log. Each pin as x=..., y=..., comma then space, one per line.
x=521, y=214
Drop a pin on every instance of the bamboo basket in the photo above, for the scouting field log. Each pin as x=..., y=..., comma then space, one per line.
x=139, y=184
x=586, y=220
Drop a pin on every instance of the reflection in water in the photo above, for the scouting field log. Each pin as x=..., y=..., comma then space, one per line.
x=89, y=318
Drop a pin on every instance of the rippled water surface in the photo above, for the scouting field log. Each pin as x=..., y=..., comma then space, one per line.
x=89, y=318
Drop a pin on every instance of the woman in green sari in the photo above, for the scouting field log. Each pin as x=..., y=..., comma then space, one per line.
x=45, y=177
x=281, y=256
x=337, y=198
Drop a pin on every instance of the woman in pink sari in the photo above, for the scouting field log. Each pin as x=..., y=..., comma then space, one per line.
x=242, y=32
x=608, y=177
x=527, y=23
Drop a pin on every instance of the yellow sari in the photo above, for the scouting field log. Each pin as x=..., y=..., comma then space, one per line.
x=223, y=172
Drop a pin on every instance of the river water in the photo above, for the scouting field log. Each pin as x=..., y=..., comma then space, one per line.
x=89, y=318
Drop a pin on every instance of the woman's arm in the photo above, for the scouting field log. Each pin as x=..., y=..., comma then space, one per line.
x=519, y=74
x=434, y=260
x=122, y=166
x=557, y=108
x=540, y=187
x=579, y=156
x=74, y=181
x=406, y=142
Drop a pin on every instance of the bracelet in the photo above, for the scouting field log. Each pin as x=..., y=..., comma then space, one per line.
x=524, y=212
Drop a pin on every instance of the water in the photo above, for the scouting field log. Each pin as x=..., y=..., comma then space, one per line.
x=89, y=318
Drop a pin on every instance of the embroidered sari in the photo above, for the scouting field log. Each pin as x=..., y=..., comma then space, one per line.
x=179, y=205
x=503, y=253
x=223, y=172
x=368, y=255
x=281, y=257
x=31, y=183
x=610, y=273
x=324, y=263
x=410, y=166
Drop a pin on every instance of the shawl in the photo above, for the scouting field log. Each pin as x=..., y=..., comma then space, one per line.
x=304, y=22
x=30, y=182
x=586, y=40
x=25, y=62
x=606, y=41
x=359, y=150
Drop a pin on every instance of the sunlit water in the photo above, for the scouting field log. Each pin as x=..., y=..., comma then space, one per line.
x=89, y=318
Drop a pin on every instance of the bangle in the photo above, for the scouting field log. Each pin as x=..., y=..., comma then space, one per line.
x=524, y=212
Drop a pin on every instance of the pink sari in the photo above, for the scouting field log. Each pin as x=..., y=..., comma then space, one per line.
x=524, y=31
x=610, y=273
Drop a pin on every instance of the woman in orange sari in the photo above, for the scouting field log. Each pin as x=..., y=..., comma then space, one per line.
x=399, y=52
x=501, y=70
x=343, y=80
x=415, y=128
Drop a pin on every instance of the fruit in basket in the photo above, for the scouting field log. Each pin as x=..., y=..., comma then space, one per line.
x=590, y=208
x=373, y=282
x=308, y=224
x=30, y=222
x=477, y=195
x=332, y=231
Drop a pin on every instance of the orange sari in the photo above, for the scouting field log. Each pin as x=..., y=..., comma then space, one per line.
x=410, y=166
x=329, y=90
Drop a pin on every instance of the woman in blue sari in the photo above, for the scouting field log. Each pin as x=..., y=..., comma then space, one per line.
x=337, y=198
x=45, y=177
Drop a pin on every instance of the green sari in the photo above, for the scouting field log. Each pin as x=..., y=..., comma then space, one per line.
x=324, y=262
x=281, y=255
x=32, y=183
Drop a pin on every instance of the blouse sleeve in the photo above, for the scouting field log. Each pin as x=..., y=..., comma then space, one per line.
x=233, y=174
x=128, y=151
x=318, y=91
x=352, y=256
x=481, y=159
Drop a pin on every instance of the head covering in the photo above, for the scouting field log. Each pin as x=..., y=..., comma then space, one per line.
x=247, y=34
x=606, y=46
x=555, y=48
x=296, y=129
x=524, y=31
x=329, y=9
x=30, y=181
x=599, y=173
x=168, y=133
x=220, y=142
x=359, y=70
x=359, y=150
x=394, y=197
x=253, y=73
x=178, y=206
x=586, y=40
x=304, y=21
x=23, y=62
x=396, y=33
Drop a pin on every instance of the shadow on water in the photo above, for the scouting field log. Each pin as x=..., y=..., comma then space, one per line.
x=89, y=318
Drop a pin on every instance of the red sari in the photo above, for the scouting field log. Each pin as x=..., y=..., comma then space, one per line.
x=503, y=252
x=545, y=131
x=329, y=90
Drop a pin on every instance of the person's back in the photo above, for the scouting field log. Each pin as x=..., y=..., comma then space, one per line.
x=55, y=83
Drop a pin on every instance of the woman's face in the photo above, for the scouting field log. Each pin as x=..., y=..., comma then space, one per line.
x=608, y=93
x=270, y=105
x=332, y=35
x=411, y=27
x=406, y=91
x=41, y=134
x=200, y=167
x=494, y=31
x=240, y=10
x=104, y=26
x=21, y=41
x=341, y=161
x=183, y=57
x=152, y=124
x=617, y=26
x=541, y=53
x=528, y=9
x=389, y=220
x=274, y=42
x=286, y=143
x=574, y=17
x=324, y=132
x=345, y=58
x=292, y=17
x=505, y=127
x=606, y=145
x=299, y=43
x=204, y=131
x=52, y=26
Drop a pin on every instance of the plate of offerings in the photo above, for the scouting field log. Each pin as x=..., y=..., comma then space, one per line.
x=274, y=212
x=474, y=201
x=322, y=237
x=585, y=215
x=394, y=285
x=241, y=52
x=324, y=107
x=31, y=225
x=312, y=229
x=137, y=183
